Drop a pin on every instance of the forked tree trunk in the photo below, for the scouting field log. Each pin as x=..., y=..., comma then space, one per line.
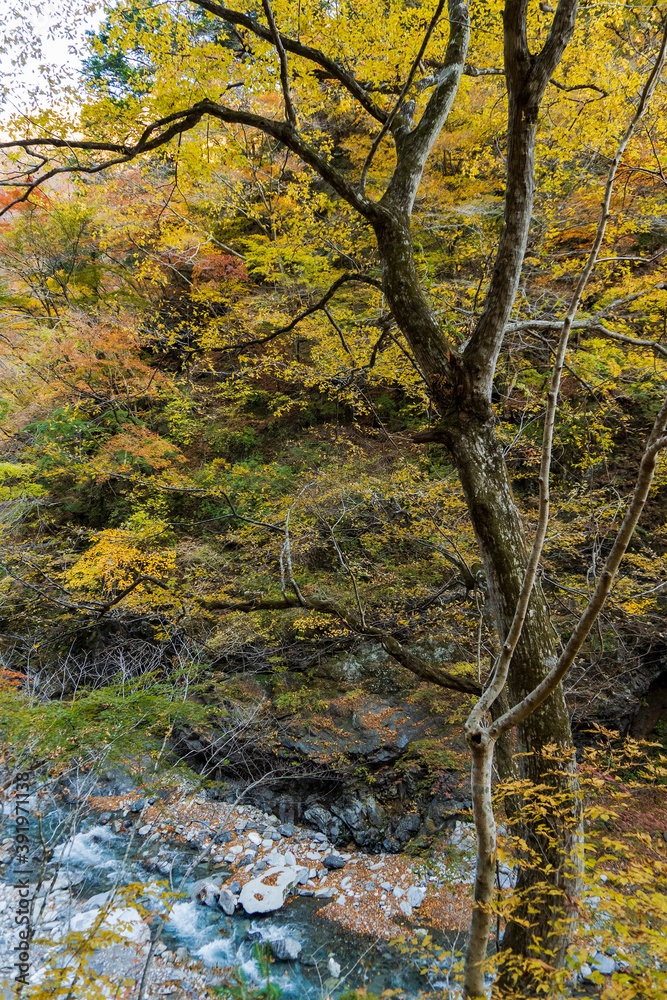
x=467, y=428
x=542, y=930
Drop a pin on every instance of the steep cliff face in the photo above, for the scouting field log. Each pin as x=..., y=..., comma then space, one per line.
x=366, y=755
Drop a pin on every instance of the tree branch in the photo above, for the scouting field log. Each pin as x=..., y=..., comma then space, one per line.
x=415, y=664
x=365, y=279
x=589, y=326
x=413, y=148
x=181, y=121
x=283, y=131
x=578, y=86
x=286, y=133
x=332, y=68
x=401, y=97
x=284, y=73
x=527, y=78
x=499, y=676
x=624, y=339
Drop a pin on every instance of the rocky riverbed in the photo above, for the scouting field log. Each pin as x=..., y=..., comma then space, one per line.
x=193, y=867
x=176, y=892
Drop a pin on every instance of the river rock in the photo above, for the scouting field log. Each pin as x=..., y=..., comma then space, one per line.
x=84, y=921
x=333, y=861
x=66, y=880
x=603, y=964
x=416, y=895
x=99, y=899
x=259, y=897
x=206, y=893
x=286, y=830
x=285, y=949
x=334, y=968
x=227, y=901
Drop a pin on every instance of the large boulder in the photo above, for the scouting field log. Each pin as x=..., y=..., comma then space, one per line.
x=416, y=895
x=320, y=818
x=267, y=892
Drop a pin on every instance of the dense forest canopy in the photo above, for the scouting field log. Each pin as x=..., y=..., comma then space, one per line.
x=325, y=328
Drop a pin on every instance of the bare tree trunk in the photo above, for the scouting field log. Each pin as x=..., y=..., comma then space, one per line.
x=485, y=874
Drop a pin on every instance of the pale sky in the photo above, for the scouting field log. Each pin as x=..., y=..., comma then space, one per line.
x=49, y=42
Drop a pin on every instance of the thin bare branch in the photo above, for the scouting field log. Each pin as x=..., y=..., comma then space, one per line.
x=284, y=71
x=348, y=569
x=401, y=97
x=363, y=279
x=657, y=442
